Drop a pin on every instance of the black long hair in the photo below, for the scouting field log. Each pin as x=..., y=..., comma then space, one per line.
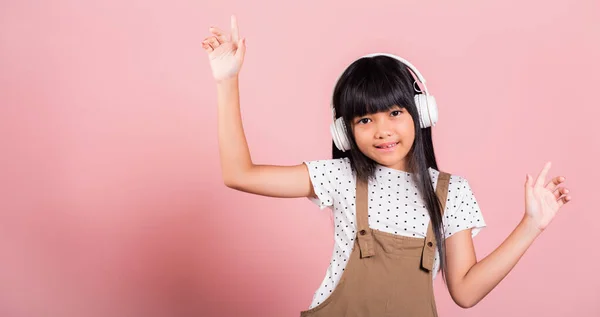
x=374, y=84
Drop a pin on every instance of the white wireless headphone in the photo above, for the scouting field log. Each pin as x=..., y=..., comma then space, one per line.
x=426, y=105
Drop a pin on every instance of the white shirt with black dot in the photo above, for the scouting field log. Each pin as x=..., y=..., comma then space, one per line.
x=394, y=207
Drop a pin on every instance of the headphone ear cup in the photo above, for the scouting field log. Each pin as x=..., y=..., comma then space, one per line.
x=338, y=133
x=428, y=111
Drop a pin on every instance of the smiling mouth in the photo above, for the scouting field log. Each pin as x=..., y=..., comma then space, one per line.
x=387, y=145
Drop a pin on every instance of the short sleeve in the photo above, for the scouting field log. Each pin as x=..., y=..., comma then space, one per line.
x=462, y=211
x=326, y=177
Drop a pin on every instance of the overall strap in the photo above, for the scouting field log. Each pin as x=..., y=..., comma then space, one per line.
x=365, y=234
x=430, y=242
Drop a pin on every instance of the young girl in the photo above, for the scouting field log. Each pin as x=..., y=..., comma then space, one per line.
x=392, y=205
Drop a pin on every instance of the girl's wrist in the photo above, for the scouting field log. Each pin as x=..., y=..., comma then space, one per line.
x=530, y=226
x=227, y=81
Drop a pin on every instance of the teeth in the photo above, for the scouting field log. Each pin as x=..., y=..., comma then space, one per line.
x=387, y=146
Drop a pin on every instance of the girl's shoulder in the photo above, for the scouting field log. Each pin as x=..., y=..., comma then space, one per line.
x=338, y=161
x=339, y=167
x=454, y=178
x=462, y=210
x=328, y=178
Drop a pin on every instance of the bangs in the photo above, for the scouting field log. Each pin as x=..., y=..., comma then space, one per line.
x=374, y=86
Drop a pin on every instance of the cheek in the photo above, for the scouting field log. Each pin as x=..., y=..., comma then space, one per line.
x=407, y=130
x=361, y=137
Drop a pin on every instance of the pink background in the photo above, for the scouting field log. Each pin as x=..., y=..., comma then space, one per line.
x=112, y=202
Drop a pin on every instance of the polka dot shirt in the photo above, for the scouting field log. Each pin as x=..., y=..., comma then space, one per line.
x=394, y=207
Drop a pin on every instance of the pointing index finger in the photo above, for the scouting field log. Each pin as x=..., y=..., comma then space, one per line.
x=235, y=33
x=542, y=176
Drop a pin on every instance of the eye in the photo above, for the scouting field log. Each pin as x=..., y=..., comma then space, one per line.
x=363, y=121
x=396, y=113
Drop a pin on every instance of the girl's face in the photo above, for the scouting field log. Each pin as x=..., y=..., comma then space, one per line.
x=385, y=137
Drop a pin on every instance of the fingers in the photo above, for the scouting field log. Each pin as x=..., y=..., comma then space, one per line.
x=541, y=179
x=235, y=33
x=563, y=200
x=207, y=46
x=553, y=184
x=528, y=181
x=221, y=37
x=560, y=191
x=213, y=42
x=210, y=44
x=562, y=197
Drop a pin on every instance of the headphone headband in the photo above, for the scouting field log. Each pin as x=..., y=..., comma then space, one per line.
x=404, y=61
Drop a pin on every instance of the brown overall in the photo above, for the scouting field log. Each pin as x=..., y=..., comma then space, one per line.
x=387, y=274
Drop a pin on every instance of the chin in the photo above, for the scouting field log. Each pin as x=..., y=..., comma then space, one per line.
x=386, y=161
x=390, y=161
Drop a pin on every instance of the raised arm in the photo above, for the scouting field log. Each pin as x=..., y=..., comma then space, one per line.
x=470, y=281
x=226, y=56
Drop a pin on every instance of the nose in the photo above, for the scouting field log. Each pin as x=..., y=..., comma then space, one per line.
x=383, y=129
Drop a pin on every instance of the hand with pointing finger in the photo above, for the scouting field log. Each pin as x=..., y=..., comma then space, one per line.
x=225, y=51
x=542, y=201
